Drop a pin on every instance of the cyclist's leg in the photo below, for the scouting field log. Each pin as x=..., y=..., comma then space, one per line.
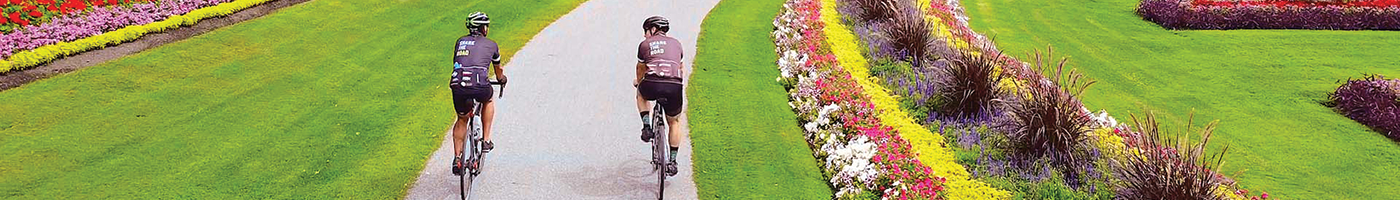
x=459, y=133
x=674, y=105
x=673, y=122
x=462, y=104
x=645, y=89
x=488, y=117
x=482, y=95
x=642, y=105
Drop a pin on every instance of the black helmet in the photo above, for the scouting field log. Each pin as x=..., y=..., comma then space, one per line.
x=478, y=19
x=658, y=22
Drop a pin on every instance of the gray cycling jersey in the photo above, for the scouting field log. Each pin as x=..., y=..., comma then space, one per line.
x=471, y=61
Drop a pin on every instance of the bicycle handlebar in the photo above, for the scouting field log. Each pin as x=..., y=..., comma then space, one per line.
x=503, y=88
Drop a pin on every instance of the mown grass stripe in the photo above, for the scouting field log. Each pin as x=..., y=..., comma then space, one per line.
x=747, y=142
x=326, y=99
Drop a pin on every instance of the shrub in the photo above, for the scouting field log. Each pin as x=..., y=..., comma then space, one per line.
x=1169, y=168
x=1050, y=123
x=873, y=10
x=1186, y=14
x=909, y=35
x=1373, y=101
x=969, y=85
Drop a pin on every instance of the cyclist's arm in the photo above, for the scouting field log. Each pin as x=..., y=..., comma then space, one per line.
x=641, y=71
x=496, y=66
x=642, y=50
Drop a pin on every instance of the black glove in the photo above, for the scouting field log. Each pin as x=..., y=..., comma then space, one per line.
x=501, y=79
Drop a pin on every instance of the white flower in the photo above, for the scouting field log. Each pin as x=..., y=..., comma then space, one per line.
x=1103, y=120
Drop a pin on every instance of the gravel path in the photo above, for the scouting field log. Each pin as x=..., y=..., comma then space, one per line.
x=568, y=127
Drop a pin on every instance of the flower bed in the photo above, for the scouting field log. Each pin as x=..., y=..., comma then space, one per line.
x=925, y=149
x=15, y=14
x=1296, y=3
x=863, y=157
x=1272, y=14
x=76, y=32
x=1373, y=101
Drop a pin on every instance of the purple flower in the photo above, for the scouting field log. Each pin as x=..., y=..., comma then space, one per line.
x=99, y=20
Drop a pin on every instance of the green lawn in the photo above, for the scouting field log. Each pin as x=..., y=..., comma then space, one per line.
x=747, y=141
x=329, y=99
x=1263, y=85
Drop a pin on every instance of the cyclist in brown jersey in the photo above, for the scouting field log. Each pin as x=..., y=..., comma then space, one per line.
x=660, y=75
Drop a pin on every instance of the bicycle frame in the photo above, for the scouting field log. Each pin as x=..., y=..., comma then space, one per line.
x=472, y=147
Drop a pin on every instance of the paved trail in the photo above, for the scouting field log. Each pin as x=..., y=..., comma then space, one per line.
x=568, y=127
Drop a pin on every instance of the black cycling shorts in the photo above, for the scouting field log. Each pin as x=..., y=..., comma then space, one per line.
x=464, y=98
x=672, y=92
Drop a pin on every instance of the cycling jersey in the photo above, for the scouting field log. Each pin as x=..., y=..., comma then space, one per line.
x=471, y=61
x=662, y=55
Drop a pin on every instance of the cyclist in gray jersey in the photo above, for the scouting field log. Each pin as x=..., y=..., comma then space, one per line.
x=470, y=83
x=660, y=74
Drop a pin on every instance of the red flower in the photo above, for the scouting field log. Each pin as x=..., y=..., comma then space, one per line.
x=14, y=17
x=113, y=2
x=35, y=14
x=3, y=20
x=76, y=5
x=53, y=8
x=24, y=22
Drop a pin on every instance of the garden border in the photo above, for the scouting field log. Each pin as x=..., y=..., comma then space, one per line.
x=1186, y=15
x=75, y=61
x=932, y=152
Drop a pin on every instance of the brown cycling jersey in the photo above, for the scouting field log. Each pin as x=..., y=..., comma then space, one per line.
x=662, y=55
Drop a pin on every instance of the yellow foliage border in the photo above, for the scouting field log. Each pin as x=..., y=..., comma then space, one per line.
x=930, y=146
x=47, y=53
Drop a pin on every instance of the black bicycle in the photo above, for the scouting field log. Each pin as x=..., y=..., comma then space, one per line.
x=472, y=150
x=659, y=146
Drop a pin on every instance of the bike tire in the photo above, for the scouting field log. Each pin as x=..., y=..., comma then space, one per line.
x=660, y=142
x=470, y=153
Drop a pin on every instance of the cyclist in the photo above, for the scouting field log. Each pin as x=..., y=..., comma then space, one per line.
x=470, y=84
x=659, y=75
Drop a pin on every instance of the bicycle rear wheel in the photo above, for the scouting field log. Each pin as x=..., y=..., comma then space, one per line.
x=470, y=154
x=660, y=145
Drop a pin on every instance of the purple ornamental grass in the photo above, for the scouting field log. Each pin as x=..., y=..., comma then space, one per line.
x=1182, y=14
x=969, y=86
x=1372, y=101
x=1049, y=123
x=1170, y=167
x=94, y=22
